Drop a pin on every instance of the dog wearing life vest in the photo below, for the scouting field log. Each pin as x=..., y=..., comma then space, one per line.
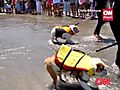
x=64, y=32
x=79, y=65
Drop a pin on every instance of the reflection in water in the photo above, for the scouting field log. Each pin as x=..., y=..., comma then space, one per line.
x=62, y=86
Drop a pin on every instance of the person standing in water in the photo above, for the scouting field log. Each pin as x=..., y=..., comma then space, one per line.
x=100, y=4
x=115, y=26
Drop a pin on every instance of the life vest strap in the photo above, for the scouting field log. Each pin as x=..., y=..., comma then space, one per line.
x=61, y=67
x=77, y=50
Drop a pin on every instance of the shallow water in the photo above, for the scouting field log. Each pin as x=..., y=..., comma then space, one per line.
x=24, y=46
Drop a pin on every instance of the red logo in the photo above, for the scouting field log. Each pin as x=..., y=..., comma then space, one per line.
x=102, y=81
x=107, y=14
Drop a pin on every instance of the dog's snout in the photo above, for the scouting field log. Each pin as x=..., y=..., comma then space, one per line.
x=105, y=71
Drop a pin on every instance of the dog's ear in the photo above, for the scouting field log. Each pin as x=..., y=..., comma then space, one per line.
x=100, y=67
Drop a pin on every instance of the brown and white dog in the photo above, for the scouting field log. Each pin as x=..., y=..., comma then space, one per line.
x=84, y=76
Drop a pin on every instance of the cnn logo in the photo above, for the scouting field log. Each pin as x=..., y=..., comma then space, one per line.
x=107, y=14
x=102, y=81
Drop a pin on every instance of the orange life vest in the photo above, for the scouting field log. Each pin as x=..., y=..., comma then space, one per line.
x=68, y=59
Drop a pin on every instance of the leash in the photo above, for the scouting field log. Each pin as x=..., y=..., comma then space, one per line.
x=106, y=47
x=85, y=19
x=103, y=48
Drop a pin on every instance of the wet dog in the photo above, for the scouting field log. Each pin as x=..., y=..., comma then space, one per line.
x=81, y=76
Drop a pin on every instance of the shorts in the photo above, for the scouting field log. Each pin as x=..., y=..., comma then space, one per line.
x=66, y=6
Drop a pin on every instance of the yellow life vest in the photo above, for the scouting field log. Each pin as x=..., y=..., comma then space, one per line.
x=65, y=28
x=68, y=59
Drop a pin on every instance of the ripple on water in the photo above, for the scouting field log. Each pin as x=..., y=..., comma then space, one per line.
x=12, y=52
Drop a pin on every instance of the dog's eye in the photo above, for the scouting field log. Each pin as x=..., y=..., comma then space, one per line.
x=75, y=28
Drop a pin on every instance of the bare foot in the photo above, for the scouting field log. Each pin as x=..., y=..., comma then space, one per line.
x=98, y=37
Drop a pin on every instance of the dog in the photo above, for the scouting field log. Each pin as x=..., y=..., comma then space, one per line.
x=64, y=32
x=75, y=63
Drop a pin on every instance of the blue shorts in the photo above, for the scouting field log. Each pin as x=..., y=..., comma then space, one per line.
x=66, y=6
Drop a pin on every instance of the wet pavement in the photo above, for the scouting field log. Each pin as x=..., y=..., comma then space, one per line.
x=24, y=46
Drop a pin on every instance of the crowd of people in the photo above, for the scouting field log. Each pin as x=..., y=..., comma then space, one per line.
x=71, y=8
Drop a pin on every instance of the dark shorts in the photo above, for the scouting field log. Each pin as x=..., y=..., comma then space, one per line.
x=1, y=3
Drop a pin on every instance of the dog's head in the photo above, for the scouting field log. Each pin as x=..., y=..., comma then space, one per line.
x=74, y=29
x=100, y=71
x=99, y=67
